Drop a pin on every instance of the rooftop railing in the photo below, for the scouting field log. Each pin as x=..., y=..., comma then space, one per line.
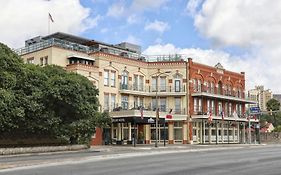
x=89, y=49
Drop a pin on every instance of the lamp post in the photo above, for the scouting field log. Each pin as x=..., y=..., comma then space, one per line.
x=157, y=108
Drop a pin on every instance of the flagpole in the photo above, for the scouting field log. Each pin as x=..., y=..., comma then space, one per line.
x=48, y=24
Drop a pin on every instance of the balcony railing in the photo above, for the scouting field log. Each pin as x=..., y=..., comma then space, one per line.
x=152, y=88
x=210, y=90
x=149, y=107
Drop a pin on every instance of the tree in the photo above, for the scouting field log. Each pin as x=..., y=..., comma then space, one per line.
x=46, y=101
x=273, y=105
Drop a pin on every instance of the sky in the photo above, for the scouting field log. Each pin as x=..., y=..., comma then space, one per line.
x=243, y=35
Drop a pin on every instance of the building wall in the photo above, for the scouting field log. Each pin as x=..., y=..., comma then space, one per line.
x=261, y=96
x=210, y=74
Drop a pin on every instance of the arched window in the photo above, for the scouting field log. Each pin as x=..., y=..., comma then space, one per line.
x=208, y=87
x=212, y=87
x=195, y=85
x=124, y=80
x=199, y=86
x=220, y=88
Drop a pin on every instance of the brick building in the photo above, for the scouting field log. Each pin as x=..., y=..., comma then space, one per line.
x=134, y=87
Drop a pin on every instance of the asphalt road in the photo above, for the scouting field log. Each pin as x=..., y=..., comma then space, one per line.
x=251, y=160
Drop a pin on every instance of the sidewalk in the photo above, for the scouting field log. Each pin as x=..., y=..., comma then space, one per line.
x=161, y=147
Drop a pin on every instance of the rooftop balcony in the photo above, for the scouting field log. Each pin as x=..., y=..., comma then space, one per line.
x=79, y=66
x=151, y=90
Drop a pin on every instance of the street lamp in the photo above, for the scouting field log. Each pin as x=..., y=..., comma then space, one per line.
x=157, y=108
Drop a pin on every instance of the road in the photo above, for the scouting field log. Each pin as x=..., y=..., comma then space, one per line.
x=250, y=160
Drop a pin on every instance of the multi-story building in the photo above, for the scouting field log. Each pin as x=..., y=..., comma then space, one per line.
x=135, y=89
x=261, y=96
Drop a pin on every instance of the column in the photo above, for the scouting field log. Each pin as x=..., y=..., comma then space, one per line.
x=122, y=131
x=210, y=134
x=147, y=136
x=197, y=132
x=203, y=123
x=201, y=131
x=238, y=132
x=233, y=133
x=184, y=132
x=171, y=132
x=222, y=132
x=129, y=133
x=118, y=134
x=243, y=133
x=217, y=132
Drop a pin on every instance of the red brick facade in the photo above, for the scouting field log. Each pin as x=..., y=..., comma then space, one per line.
x=226, y=83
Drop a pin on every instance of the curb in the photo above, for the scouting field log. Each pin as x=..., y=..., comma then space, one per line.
x=42, y=149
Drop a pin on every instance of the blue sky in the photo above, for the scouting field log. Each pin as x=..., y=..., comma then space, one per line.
x=241, y=35
x=117, y=29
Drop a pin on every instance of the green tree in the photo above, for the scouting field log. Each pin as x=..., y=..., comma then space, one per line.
x=274, y=105
x=46, y=101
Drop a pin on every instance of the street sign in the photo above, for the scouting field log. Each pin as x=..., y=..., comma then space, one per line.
x=255, y=110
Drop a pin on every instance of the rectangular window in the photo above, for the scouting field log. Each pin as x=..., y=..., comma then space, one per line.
x=154, y=84
x=220, y=108
x=230, y=109
x=240, y=109
x=195, y=105
x=213, y=107
x=163, y=84
x=200, y=105
x=46, y=60
x=141, y=102
x=30, y=60
x=153, y=104
x=177, y=85
x=162, y=104
x=141, y=83
x=113, y=78
x=136, y=104
x=106, y=102
x=125, y=102
x=41, y=61
x=136, y=80
x=106, y=78
x=113, y=101
x=225, y=109
x=177, y=105
x=209, y=106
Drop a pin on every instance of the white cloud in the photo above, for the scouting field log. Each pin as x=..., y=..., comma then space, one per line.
x=140, y=5
x=158, y=26
x=192, y=6
x=133, y=11
x=254, y=26
x=132, y=39
x=22, y=19
x=116, y=10
x=212, y=57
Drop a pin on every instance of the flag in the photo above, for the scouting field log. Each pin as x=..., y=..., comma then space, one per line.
x=210, y=117
x=51, y=18
x=169, y=116
x=141, y=112
x=222, y=115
